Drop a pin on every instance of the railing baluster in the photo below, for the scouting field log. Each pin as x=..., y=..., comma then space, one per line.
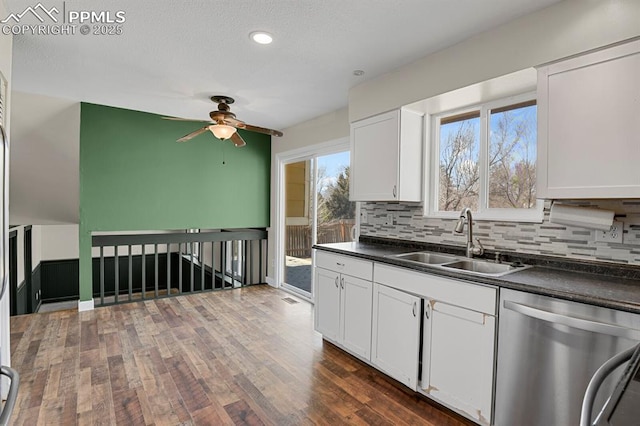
x=130, y=275
x=156, y=268
x=244, y=262
x=201, y=258
x=260, y=261
x=233, y=264
x=191, y=268
x=117, y=272
x=223, y=266
x=213, y=266
x=144, y=272
x=250, y=262
x=102, y=275
x=168, y=268
x=179, y=268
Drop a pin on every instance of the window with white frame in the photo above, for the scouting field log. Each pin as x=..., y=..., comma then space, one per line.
x=484, y=157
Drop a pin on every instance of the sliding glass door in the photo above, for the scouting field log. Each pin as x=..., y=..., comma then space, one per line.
x=316, y=210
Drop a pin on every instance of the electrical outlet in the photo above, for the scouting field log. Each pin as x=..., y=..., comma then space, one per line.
x=364, y=217
x=389, y=219
x=613, y=235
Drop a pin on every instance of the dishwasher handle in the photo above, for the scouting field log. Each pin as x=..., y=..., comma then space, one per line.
x=12, y=396
x=579, y=323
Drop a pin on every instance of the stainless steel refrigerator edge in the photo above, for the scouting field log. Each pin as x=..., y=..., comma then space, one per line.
x=548, y=349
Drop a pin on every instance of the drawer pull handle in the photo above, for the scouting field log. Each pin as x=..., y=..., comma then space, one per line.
x=339, y=264
x=342, y=282
x=336, y=282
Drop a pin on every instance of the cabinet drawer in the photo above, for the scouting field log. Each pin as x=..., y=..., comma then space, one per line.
x=345, y=265
x=477, y=297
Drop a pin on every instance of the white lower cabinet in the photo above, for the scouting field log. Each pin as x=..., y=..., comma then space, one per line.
x=355, y=301
x=458, y=337
x=343, y=302
x=327, y=312
x=396, y=334
x=458, y=358
x=385, y=315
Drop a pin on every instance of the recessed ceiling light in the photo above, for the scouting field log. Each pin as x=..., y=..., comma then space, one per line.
x=261, y=37
x=358, y=73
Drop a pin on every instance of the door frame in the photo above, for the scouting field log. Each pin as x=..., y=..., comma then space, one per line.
x=281, y=159
x=28, y=267
x=13, y=272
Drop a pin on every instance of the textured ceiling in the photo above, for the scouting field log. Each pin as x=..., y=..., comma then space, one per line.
x=172, y=56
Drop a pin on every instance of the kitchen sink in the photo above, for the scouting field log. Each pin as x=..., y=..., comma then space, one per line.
x=462, y=264
x=427, y=258
x=482, y=267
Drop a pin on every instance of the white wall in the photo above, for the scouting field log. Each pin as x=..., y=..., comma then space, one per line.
x=36, y=245
x=59, y=242
x=561, y=30
x=45, y=159
x=6, y=43
x=325, y=128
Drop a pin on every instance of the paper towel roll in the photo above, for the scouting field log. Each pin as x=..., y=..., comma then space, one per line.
x=581, y=216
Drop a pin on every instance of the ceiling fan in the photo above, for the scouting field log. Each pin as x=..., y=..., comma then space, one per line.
x=224, y=124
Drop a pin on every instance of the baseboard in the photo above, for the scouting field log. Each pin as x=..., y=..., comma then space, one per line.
x=271, y=282
x=85, y=305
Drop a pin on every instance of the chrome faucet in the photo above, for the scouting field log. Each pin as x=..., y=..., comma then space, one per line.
x=472, y=250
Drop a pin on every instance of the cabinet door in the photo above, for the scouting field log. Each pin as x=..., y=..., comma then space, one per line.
x=396, y=334
x=327, y=303
x=588, y=127
x=458, y=358
x=356, y=303
x=374, y=158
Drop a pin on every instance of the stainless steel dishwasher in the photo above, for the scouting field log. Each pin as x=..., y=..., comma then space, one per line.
x=548, y=349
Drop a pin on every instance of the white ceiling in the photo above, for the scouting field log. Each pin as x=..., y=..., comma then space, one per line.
x=172, y=56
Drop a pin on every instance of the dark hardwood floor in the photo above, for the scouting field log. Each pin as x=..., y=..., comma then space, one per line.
x=244, y=357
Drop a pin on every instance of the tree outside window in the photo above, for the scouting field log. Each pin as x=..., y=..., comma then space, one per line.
x=487, y=158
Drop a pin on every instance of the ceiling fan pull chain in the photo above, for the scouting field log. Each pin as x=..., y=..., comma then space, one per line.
x=223, y=163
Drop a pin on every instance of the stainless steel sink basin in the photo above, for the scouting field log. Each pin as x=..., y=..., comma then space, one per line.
x=427, y=258
x=481, y=267
x=462, y=264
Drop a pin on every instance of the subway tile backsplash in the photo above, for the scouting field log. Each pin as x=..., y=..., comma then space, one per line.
x=537, y=238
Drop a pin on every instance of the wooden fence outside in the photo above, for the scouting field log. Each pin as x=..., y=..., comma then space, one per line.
x=298, y=237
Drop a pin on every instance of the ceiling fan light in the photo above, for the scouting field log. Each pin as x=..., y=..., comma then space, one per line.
x=222, y=131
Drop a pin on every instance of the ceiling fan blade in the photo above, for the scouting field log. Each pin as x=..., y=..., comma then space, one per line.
x=237, y=140
x=262, y=130
x=235, y=122
x=186, y=119
x=193, y=134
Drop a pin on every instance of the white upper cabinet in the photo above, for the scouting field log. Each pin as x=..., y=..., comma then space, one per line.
x=589, y=125
x=386, y=157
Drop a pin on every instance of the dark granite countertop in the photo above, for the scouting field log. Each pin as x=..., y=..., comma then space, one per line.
x=608, y=286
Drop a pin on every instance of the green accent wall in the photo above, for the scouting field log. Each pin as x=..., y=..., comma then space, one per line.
x=135, y=176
